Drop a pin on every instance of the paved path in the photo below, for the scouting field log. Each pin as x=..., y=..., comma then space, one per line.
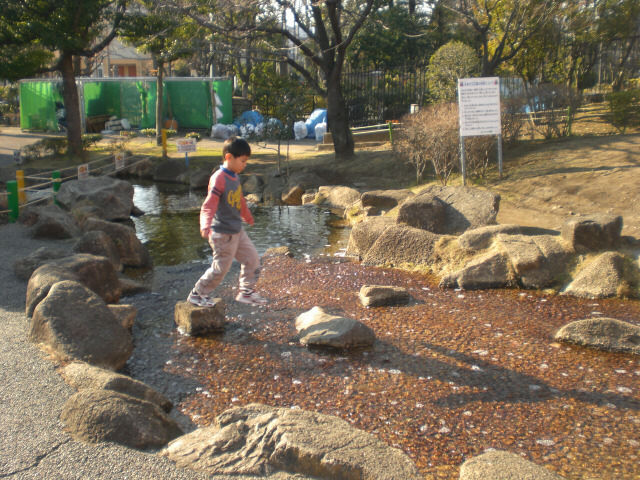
x=12, y=138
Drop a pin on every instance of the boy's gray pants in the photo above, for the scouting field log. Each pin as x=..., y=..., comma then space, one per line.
x=226, y=247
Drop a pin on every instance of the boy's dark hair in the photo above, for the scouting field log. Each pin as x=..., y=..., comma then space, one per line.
x=236, y=146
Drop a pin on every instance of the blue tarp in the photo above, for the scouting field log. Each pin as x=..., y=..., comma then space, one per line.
x=318, y=116
x=250, y=117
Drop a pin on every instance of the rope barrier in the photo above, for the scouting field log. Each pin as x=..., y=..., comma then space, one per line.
x=16, y=189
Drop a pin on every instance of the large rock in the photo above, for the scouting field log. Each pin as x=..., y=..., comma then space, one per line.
x=382, y=295
x=23, y=268
x=497, y=465
x=490, y=270
x=273, y=190
x=49, y=221
x=293, y=195
x=426, y=212
x=465, y=208
x=76, y=324
x=132, y=252
x=260, y=440
x=193, y=320
x=83, y=376
x=101, y=244
x=482, y=238
x=125, y=314
x=593, y=232
x=402, y=245
x=169, y=170
x=605, y=276
x=602, y=333
x=538, y=261
x=252, y=184
x=112, y=196
x=107, y=416
x=342, y=197
x=95, y=273
x=364, y=235
x=318, y=328
x=385, y=199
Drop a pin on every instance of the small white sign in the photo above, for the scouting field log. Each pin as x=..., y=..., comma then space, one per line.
x=83, y=171
x=186, y=145
x=16, y=157
x=479, y=102
x=119, y=159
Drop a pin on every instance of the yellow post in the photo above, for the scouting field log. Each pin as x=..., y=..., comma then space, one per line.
x=164, y=142
x=22, y=195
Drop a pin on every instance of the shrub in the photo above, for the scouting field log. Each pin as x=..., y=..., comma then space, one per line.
x=431, y=137
x=128, y=134
x=89, y=139
x=512, y=118
x=553, y=108
x=148, y=132
x=195, y=135
x=452, y=61
x=625, y=108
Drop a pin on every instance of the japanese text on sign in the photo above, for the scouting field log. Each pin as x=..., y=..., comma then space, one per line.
x=186, y=145
x=479, y=102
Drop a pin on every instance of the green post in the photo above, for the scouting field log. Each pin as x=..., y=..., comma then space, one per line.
x=390, y=133
x=55, y=177
x=13, y=200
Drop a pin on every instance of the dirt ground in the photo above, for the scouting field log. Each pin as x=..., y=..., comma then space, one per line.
x=550, y=183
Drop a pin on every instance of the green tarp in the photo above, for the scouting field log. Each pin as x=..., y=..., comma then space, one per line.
x=187, y=101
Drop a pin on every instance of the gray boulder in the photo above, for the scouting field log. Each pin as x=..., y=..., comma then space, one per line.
x=95, y=273
x=114, y=197
x=307, y=180
x=193, y=320
x=132, y=252
x=293, y=195
x=602, y=333
x=76, y=324
x=425, y=211
x=49, y=221
x=273, y=190
x=466, y=208
x=538, y=261
x=605, y=276
x=107, y=416
x=342, y=197
x=482, y=238
x=593, y=232
x=99, y=243
x=252, y=184
x=169, y=170
x=382, y=295
x=23, y=268
x=402, y=245
x=315, y=327
x=83, y=376
x=490, y=270
x=197, y=179
x=385, y=199
x=260, y=440
x=498, y=465
x=363, y=235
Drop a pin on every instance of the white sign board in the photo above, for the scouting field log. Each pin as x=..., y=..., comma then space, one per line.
x=479, y=102
x=83, y=171
x=119, y=160
x=186, y=145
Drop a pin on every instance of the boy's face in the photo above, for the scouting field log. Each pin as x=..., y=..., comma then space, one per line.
x=236, y=164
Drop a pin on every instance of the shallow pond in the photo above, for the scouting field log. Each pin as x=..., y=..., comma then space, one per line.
x=170, y=227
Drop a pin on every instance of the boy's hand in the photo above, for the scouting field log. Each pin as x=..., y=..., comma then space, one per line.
x=205, y=232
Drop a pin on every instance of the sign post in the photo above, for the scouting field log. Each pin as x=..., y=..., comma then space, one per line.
x=479, y=105
x=186, y=145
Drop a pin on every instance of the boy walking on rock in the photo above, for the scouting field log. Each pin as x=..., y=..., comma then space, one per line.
x=221, y=217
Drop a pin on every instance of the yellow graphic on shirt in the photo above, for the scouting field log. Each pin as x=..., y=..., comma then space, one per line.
x=235, y=198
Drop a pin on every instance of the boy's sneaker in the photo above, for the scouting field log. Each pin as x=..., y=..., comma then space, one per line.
x=250, y=297
x=201, y=300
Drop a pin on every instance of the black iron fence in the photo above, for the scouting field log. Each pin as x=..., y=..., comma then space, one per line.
x=378, y=96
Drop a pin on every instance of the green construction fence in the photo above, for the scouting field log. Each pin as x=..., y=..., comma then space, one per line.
x=188, y=101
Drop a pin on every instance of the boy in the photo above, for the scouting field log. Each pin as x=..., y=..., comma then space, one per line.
x=221, y=218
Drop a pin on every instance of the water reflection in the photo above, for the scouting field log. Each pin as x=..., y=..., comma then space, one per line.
x=170, y=228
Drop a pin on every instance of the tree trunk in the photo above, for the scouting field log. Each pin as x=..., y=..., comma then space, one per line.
x=338, y=119
x=72, y=106
x=159, y=103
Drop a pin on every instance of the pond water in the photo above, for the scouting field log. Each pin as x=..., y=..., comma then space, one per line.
x=170, y=227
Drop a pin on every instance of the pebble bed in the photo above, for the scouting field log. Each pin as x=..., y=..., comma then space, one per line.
x=451, y=374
